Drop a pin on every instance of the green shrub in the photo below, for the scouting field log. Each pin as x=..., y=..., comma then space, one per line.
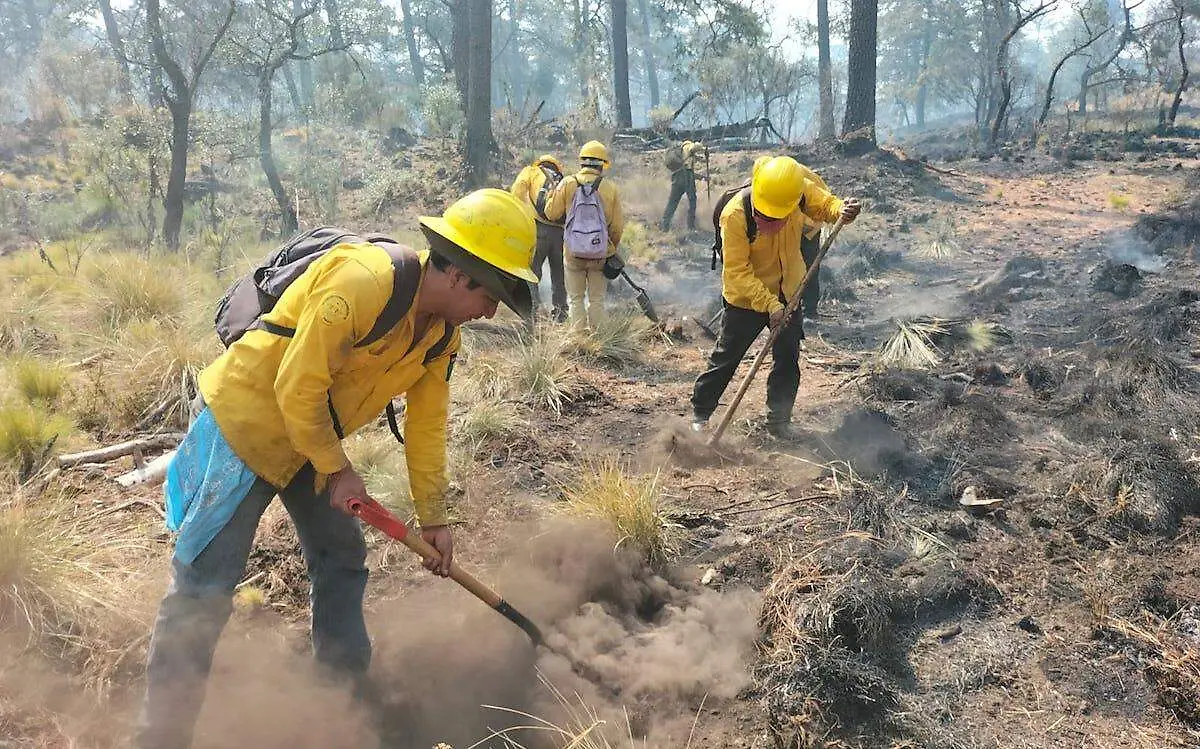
x=28, y=434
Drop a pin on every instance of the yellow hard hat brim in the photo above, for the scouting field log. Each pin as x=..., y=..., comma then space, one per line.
x=773, y=210
x=439, y=225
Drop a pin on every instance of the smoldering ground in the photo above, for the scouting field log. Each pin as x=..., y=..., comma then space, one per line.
x=448, y=669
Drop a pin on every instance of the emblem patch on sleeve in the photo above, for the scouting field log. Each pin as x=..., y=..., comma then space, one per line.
x=334, y=309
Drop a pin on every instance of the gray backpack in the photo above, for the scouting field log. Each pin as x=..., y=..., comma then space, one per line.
x=586, y=230
x=255, y=294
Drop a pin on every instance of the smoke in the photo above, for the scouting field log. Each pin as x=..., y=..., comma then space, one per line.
x=1129, y=249
x=644, y=642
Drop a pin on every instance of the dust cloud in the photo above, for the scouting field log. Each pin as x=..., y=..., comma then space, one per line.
x=1130, y=249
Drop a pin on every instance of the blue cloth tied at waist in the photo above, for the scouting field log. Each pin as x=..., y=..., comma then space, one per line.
x=206, y=481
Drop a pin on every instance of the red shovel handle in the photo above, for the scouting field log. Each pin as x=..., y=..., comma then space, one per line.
x=373, y=513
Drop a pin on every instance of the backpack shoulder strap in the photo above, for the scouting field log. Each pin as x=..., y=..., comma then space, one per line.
x=751, y=224
x=405, y=280
x=440, y=347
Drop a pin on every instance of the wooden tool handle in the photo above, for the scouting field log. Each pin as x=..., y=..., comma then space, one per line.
x=788, y=311
x=457, y=574
x=373, y=513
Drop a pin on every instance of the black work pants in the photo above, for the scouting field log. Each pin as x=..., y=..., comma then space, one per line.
x=683, y=182
x=809, y=247
x=549, y=247
x=739, y=328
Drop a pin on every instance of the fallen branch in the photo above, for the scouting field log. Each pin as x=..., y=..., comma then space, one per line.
x=121, y=449
x=939, y=170
x=125, y=506
x=152, y=472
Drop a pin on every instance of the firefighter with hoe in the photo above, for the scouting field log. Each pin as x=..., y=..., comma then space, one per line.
x=680, y=160
x=320, y=338
x=760, y=229
x=589, y=206
x=534, y=185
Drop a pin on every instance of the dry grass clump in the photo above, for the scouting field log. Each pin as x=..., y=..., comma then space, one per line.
x=920, y=343
x=633, y=506
x=38, y=380
x=488, y=420
x=618, y=340
x=132, y=287
x=538, y=370
x=1171, y=662
x=147, y=377
x=578, y=727
x=27, y=325
x=1142, y=380
x=944, y=241
x=910, y=347
x=1147, y=488
x=28, y=435
x=66, y=586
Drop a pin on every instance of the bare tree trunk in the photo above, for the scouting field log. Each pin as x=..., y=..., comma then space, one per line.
x=305, y=65
x=410, y=39
x=620, y=42
x=579, y=45
x=1049, y=98
x=826, y=130
x=1184, y=72
x=922, y=97
x=860, y=88
x=113, y=31
x=181, y=113
x=1004, y=63
x=179, y=102
x=336, y=38
x=479, y=92
x=266, y=156
x=460, y=46
x=648, y=54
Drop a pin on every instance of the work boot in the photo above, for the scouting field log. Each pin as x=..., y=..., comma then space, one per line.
x=782, y=431
x=699, y=424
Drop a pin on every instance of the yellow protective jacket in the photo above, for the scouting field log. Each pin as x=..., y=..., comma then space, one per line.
x=754, y=275
x=268, y=393
x=691, y=155
x=556, y=207
x=526, y=187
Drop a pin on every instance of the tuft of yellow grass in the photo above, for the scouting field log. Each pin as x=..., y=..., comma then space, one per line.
x=131, y=287
x=37, y=380
x=537, y=370
x=944, y=241
x=631, y=505
x=28, y=435
x=910, y=347
x=618, y=340
x=1119, y=201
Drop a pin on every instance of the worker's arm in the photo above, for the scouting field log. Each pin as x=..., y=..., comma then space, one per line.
x=428, y=404
x=616, y=219
x=819, y=203
x=737, y=275
x=556, y=204
x=339, y=309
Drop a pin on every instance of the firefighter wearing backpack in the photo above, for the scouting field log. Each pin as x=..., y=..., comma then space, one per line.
x=590, y=207
x=760, y=233
x=680, y=161
x=277, y=403
x=534, y=185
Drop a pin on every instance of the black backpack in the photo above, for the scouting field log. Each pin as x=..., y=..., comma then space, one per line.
x=751, y=227
x=255, y=294
x=553, y=177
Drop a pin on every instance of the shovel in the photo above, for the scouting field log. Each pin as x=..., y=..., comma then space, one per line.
x=373, y=513
x=643, y=299
x=813, y=268
x=615, y=266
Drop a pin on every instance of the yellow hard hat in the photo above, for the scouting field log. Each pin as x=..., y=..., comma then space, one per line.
x=548, y=158
x=489, y=235
x=594, y=149
x=758, y=164
x=776, y=186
